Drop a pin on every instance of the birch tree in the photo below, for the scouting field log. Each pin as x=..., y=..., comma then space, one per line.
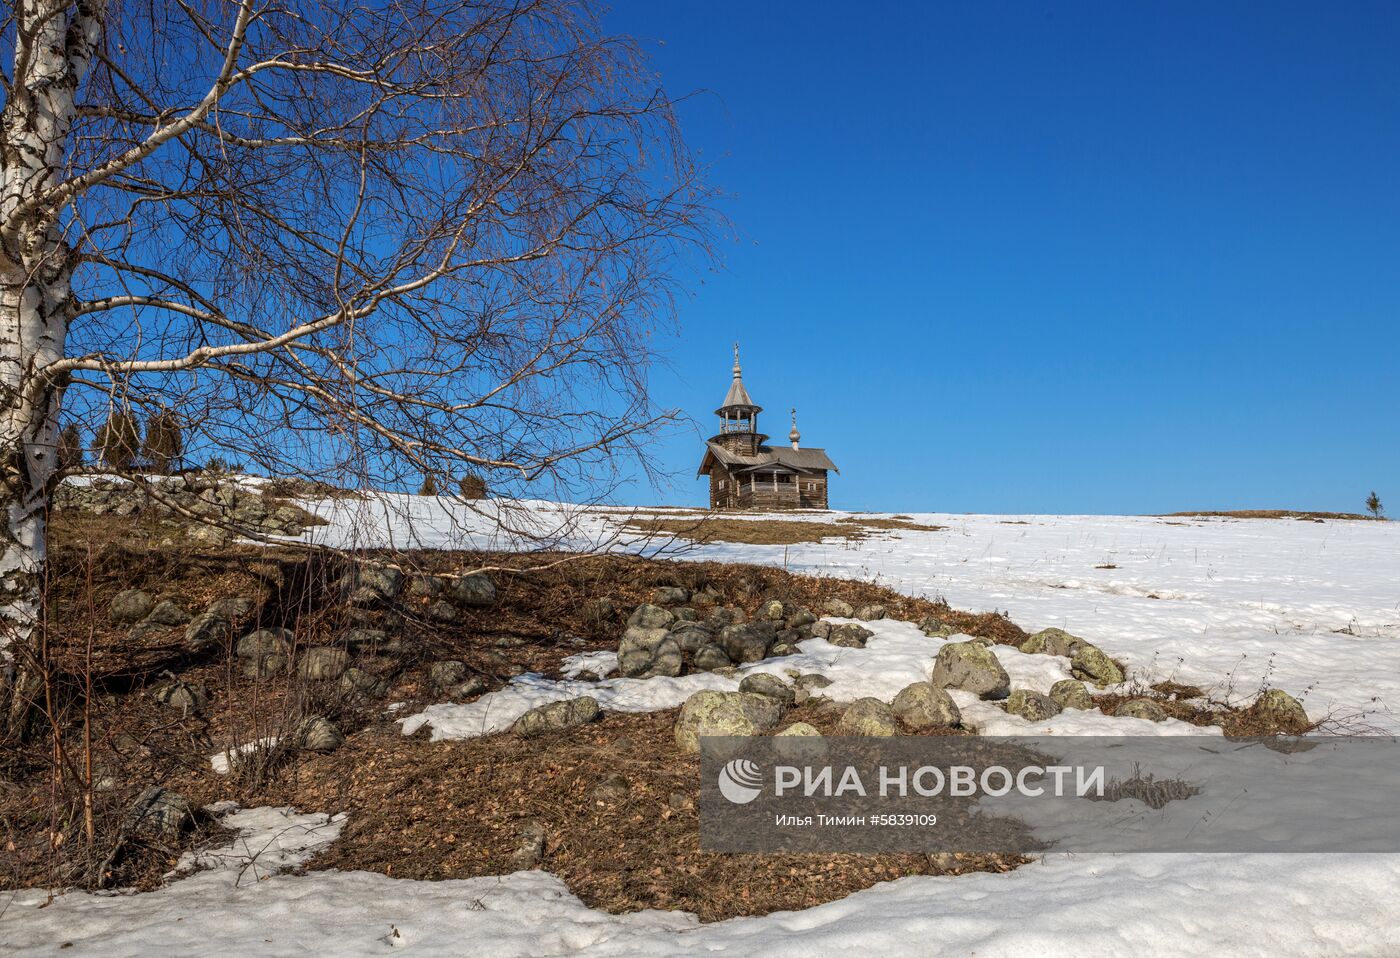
x=409, y=237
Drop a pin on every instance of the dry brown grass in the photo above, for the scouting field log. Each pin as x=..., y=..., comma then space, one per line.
x=1272, y=514
x=713, y=527
x=453, y=810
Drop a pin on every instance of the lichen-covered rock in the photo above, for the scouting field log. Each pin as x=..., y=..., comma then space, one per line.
x=1071, y=694
x=670, y=595
x=1142, y=709
x=1281, y=712
x=168, y=614
x=724, y=713
x=363, y=639
x=366, y=584
x=360, y=685
x=685, y=613
x=265, y=642
x=1031, y=706
x=762, y=683
x=806, y=686
x=556, y=716
x=476, y=591
x=426, y=587
x=160, y=813
x=822, y=629
x=710, y=657
x=868, y=716
x=265, y=666
x=318, y=734
x=207, y=632
x=648, y=616
x=838, y=607
x=849, y=635
x=1052, y=642
x=749, y=642
x=447, y=672
x=443, y=612
x=1092, y=665
x=922, y=706
x=691, y=636
x=322, y=663
x=935, y=627
x=643, y=653
x=800, y=618
x=130, y=605
x=189, y=698
x=870, y=613
x=772, y=610
x=231, y=608
x=971, y=667
x=800, y=730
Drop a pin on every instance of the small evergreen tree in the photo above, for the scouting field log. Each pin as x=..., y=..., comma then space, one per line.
x=1373, y=504
x=472, y=487
x=70, y=448
x=164, y=441
x=119, y=440
x=429, y=487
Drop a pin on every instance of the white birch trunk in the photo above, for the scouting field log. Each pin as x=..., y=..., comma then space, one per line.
x=54, y=46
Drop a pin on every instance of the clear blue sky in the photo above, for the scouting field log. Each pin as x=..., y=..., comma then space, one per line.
x=1019, y=257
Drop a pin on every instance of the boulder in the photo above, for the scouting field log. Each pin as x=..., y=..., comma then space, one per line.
x=231, y=608
x=476, y=591
x=724, y=713
x=206, y=632
x=643, y=653
x=130, y=605
x=364, y=639
x=799, y=729
x=442, y=611
x=670, y=595
x=1031, y=706
x=781, y=649
x=691, y=636
x=426, y=587
x=1071, y=694
x=372, y=582
x=1142, y=709
x=1092, y=665
x=1052, y=642
x=934, y=627
x=868, y=716
x=556, y=716
x=686, y=614
x=821, y=630
x=971, y=667
x=648, y=616
x=772, y=610
x=922, y=706
x=838, y=607
x=800, y=618
x=264, y=666
x=167, y=613
x=160, y=813
x=447, y=672
x=749, y=642
x=762, y=683
x=1281, y=712
x=189, y=698
x=804, y=686
x=358, y=684
x=469, y=689
x=529, y=846
x=849, y=635
x=710, y=657
x=265, y=642
x=322, y=663
x=207, y=535
x=871, y=613
x=721, y=616
x=318, y=734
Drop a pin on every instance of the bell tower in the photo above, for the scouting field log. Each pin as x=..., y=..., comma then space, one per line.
x=738, y=417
